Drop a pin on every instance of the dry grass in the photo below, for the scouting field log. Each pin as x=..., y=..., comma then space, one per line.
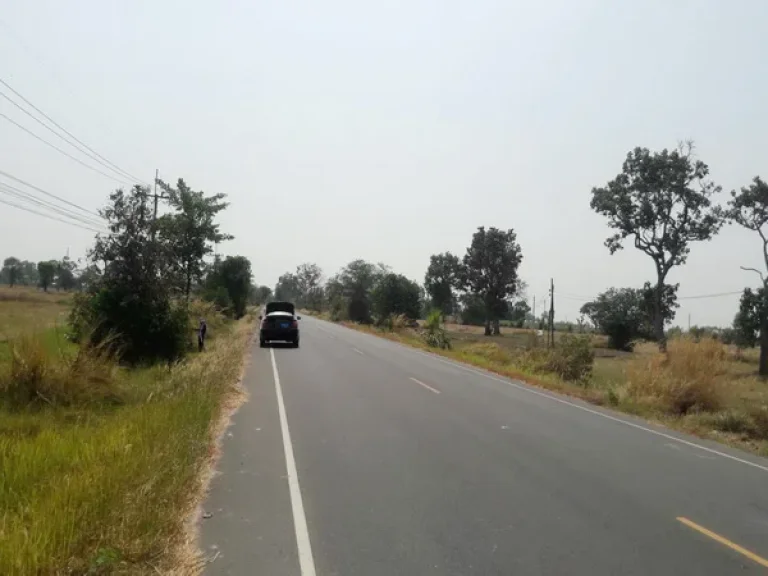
x=104, y=488
x=25, y=310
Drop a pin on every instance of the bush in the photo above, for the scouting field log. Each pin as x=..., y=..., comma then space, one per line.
x=490, y=351
x=394, y=322
x=572, y=359
x=434, y=335
x=136, y=327
x=681, y=381
x=38, y=376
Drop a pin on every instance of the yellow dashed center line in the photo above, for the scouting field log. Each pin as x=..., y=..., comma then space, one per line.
x=724, y=541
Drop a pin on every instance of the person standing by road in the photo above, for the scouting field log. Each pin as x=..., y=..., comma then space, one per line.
x=201, y=332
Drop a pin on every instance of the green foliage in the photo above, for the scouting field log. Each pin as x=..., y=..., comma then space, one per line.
x=259, y=295
x=394, y=295
x=441, y=279
x=308, y=282
x=489, y=270
x=129, y=304
x=287, y=288
x=65, y=274
x=753, y=308
x=357, y=280
x=664, y=201
x=625, y=315
x=47, y=273
x=233, y=275
x=434, y=334
x=12, y=271
x=518, y=312
x=190, y=231
x=572, y=359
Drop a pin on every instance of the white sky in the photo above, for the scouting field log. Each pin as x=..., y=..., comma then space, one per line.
x=389, y=131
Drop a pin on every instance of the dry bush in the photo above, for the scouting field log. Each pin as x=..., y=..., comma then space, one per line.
x=571, y=359
x=38, y=375
x=681, y=381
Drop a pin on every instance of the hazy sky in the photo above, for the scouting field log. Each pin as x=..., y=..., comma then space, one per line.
x=389, y=131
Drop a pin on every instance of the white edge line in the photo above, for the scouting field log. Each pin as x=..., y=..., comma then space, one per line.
x=427, y=386
x=583, y=408
x=306, y=562
x=358, y=351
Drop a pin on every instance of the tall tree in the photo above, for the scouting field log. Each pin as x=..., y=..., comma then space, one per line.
x=47, y=272
x=128, y=304
x=287, y=288
x=664, y=201
x=358, y=278
x=395, y=294
x=749, y=208
x=234, y=275
x=441, y=279
x=490, y=271
x=308, y=277
x=190, y=230
x=260, y=295
x=12, y=270
x=65, y=274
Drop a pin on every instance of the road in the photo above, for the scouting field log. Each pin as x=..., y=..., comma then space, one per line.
x=358, y=456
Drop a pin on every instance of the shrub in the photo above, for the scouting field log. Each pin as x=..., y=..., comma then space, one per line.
x=394, y=322
x=490, y=351
x=572, y=359
x=434, y=335
x=681, y=381
x=38, y=376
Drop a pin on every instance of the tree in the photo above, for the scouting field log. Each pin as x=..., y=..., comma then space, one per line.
x=663, y=200
x=287, y=288
x=308, y=277
x=518, y=312
x=260, y=295
x=626, y=314
x=395, y=294
x=490, y=271
x=190, y=231
x=28, y=275
x=233, y=275
x=65, y=274
x=749, y=209
x=358, y=279
x=128, y=306
x=334, y=298
x=441, y=279
x=47, y=273
x=749, y=320
x=12, y=270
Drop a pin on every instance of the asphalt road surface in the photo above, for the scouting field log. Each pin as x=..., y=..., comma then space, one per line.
x=356, y=456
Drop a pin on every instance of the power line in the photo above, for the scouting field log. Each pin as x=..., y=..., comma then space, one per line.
x=64, y=152
x=696, y=297
x=22, y=195
x=26, y=209
x=68, y=133
x=52, y=131
x=59, y=198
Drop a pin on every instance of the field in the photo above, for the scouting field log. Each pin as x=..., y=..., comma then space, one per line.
x=104, y=483
x=703, y=387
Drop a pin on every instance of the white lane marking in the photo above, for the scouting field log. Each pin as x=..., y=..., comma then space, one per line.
x=601, y=414
x=582, y=408
x=358, y=351
x=427, y=386
x=306, y=562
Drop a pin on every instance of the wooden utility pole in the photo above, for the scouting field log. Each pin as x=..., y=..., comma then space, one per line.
x=534, y=311
x=154, y=193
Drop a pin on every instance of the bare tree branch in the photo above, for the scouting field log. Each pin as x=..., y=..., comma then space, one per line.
x=755, y=271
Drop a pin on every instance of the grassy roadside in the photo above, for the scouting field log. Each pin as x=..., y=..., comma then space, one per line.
x=702, y=388
x=106, y=488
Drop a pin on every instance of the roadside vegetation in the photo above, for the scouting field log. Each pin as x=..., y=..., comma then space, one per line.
x=108, y=405
x=621, y=352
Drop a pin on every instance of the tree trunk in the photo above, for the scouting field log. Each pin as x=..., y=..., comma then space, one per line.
x=487, y=326
x=658, y=319
x=763, y=370
x=496, y=327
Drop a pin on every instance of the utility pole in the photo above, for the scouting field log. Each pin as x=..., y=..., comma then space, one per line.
x=534, y=312
x=154, y=193
x=689, y=321
x=551, y=335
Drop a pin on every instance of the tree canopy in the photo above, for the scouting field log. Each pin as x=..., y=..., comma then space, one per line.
x=489, y=271
x=394, y=294
x=663, y=200
x=440, y=280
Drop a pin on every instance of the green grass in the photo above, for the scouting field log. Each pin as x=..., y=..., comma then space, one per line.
x=106, y=488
